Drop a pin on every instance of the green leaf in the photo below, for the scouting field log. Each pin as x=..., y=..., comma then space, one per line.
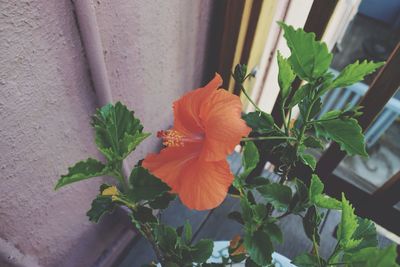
x=347, y=133
x=309, y=160
x=316, y=187
x=321, y=200
x=162, y=201
x=260, y=122
x=82, y=170
x=247, y=213
x=355, y=72
x=306, y=102
x=274, y=232
x=260, y=212
x=309, y=59
x=326, y=202
x=300, y=200
x=236, y=216
x=276, y=194
x=252, y=182
x=118, y=132
x=202, y=251
x=188, y=232
x=250, y=159
x=366, y=232
x=144, y=215
x=347, y=226
x=166, y=237
x=145, y=186
x=100, y=206
x=259, y=247
x=285, y=76
x=312, y=142
x=300, y=94
x=311, y=222
x=306, y=260
x=373, y=257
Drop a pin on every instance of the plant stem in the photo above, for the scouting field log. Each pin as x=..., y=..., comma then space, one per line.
x=149, y=236
x=284, y=119
x=304, y=126
x=122, y=180
x=315, y=249
x=289, y=118
x=246, y=139
x=335, y=253
x=248, y=98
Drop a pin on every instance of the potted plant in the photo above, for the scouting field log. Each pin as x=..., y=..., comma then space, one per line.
x=208, y=124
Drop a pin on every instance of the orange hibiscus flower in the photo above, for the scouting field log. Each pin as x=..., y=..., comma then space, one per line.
x=207, y=127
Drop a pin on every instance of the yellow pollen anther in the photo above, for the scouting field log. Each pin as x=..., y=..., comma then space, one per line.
x=171, y=138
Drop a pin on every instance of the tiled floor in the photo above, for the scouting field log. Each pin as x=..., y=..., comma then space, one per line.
x=217, y=226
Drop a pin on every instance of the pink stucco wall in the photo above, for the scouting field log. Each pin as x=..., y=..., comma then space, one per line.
x=154, y=52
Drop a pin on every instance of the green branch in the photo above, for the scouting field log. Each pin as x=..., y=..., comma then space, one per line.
x=261, y=138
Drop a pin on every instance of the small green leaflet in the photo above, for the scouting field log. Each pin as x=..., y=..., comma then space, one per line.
x=239, y=74
x=347, y=226
x=166, y=237
x=188, y=232
x=82, y=170
x=355, y=72
x=100, y=205
x=316, y=187
x=309, y=59
x=250, y=159
x=259, y=247
x=278, y=195
x=318, y=198
x=285, y=76
x=312, y=142
x=346, y=132
x=309, y=160
x=118, y=132
x=300, y=94
x=260, y=122
x=145, y=186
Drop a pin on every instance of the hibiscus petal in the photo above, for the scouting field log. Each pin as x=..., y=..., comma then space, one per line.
x=224, y=128
x=169, y=163
x=204, y=185
x=187, y=108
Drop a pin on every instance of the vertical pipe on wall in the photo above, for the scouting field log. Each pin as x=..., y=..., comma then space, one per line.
x=90, y=35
